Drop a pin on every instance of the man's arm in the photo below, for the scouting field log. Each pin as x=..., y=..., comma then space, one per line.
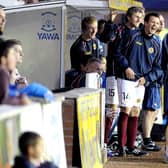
x=4, y=84
x=121, y=60
x=156, y=73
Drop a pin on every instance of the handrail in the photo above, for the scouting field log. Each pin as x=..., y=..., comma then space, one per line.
x=8, y=111
x=44, y=5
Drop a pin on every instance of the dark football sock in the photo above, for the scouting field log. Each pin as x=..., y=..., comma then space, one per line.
x=132, y=131
x=146, y=141
x=108, y=124
x=122, y=129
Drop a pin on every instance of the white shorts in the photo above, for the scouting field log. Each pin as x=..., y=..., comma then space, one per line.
x=129, y=94
x=111, y=91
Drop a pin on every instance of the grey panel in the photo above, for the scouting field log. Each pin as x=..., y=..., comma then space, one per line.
x=40, y=33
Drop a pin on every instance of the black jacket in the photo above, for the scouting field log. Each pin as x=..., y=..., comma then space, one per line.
x=81, y=51
x=23, y=162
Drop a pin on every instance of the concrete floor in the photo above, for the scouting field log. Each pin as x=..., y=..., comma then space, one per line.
x=154, y=160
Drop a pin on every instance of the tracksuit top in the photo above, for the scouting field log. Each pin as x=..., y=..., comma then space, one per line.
x=142, y=53
x=81, y=51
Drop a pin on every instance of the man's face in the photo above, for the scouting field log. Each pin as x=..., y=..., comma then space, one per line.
x=37, y=151
x=142, y=17
x=92, y=30
x=162, y=22
x=94, y=67
x=19, y=53
x=135, y=19
x=10, y=60
x=152, y=26
x=2, y=20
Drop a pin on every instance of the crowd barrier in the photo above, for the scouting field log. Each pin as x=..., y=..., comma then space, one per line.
x=83, y=120
x=45, y=119
x=76, y=118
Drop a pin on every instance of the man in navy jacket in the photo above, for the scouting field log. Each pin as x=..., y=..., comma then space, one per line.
x=87, y=45
x=138, y=58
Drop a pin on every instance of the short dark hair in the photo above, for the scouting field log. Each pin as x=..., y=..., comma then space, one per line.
x=5, y=45
x=92, y=60
x=14, y=41
x=147, y=17
x=26, y=140
x=132, y=10
x=101, y=23
x=86, y=21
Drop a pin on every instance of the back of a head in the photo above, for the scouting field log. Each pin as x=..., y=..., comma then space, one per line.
x=132, y=10
x=26, y=140
x=101, y=23
x=94, y=65
x=87, y=21
x=93, y=60
x=14, y=42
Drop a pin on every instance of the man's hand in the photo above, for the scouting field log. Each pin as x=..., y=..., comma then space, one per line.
x=130, y=74
x=141, y=81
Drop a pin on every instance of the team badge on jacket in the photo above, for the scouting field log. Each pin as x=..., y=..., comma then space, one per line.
x=94, y=46
x=151, y=50
x=88, y=52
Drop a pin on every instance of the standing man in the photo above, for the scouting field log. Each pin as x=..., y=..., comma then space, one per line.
x=139, y=60
x=113, y=33
x=150, y=113
x=2, y=20
x=152, y=104
x=86, y=46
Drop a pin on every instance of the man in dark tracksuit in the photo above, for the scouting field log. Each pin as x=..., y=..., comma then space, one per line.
x=112, y=33
x=165, y=68
x=86, y=46
x=139, y=60
x=109, y=36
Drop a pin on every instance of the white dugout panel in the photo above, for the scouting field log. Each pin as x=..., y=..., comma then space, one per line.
x=40, y=32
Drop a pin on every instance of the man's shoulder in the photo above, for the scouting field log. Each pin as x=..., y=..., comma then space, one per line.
x=3, y=71
x=165, y=40
x=77, y=43
x=157, y=39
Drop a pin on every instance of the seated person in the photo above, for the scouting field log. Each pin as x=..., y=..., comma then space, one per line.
x=18, y=86
x=15, y=77
x=31, y=152
x=70, y=75
x=93, y=65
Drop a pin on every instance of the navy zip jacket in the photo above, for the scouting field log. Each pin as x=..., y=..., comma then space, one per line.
x=23, y=162
x=142, y=53
x=81, y=51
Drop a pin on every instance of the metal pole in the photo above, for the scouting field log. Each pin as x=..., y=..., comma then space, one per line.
x=32, y=7
x=62, y=73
